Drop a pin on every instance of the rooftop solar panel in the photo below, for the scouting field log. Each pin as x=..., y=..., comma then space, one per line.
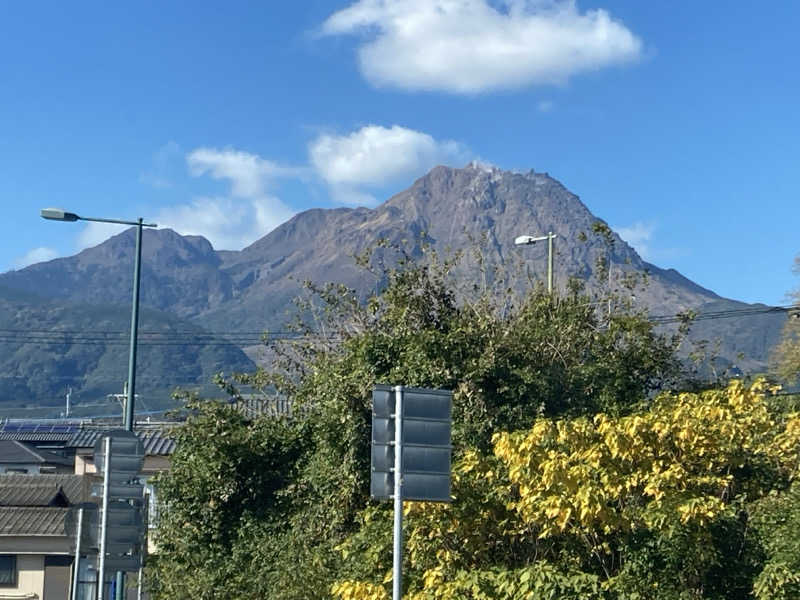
x=33, y=427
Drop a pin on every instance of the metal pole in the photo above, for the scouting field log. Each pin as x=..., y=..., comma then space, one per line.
x=119, y=586
x=134, y=330
x=397, y=580
x=77, y=566
x=129, y=404
x=550, y=237
x=104, y=520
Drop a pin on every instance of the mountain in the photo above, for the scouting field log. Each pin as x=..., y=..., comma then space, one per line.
x=451, y=207
x=180, y=274
x=252, y=289
x=49, y=346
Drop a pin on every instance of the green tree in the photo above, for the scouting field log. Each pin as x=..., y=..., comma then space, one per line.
x=262, y=508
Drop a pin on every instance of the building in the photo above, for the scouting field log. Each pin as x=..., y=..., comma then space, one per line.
x=35, y=558
x=25, y=459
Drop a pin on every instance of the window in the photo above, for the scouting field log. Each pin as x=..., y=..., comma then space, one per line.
x=8, y=570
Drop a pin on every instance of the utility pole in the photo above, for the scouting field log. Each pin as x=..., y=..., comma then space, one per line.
x=69, y=393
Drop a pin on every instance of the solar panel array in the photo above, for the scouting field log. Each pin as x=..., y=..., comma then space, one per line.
x=38, y=427
x=37, y=430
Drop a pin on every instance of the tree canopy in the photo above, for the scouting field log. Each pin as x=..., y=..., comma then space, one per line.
x=571, y=476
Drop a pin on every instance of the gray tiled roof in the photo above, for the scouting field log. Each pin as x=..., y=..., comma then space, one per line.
x=76, y=488
x=32, y=495
x=32, y=520
x=29, y=504
x=27, y=436
x=156, y=443
x=15, y=452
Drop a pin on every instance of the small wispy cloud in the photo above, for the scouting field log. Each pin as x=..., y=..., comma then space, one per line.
x=165, y=164
x=249, y=211
x=640, y=236
x=37, y=255
x=351, y=165
x=545, y=106
x=249, y=174
x=228, y=223
x=96, y=233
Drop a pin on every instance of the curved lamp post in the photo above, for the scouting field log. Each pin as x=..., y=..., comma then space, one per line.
x=58, y=214
x=527, y=240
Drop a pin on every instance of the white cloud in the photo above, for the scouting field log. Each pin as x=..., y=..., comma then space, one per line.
x=374, y=156
x=469, y=46
x=248, y=213
x=350, y=165
x=228, y=223
x=248, y=173
x=95, y=233
x=639, y=235
x=37, y=255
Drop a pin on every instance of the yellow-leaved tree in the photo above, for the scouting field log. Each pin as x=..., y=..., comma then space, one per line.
x=654, y=504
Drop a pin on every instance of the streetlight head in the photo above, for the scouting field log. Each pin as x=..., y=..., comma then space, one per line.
x=524, y=240
x=58, y=214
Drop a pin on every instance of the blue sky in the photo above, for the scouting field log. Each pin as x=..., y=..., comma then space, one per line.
x=675, y=122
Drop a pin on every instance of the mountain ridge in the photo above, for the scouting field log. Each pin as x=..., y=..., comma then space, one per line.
x=252, y=289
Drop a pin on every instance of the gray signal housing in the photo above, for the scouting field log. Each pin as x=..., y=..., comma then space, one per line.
x=425, y=444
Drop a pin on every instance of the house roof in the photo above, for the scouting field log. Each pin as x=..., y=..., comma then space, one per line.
x=33, y=495
x=15, y=452
x=32, y=520
x=37, y=431
x=33, y=436
x=37, y=505
x=76, y=488
x=156, y=442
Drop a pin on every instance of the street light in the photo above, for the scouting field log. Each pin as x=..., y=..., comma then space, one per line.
x=58, y=214
x=527, y=240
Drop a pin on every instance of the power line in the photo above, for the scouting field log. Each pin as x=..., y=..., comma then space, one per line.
x=245, y=338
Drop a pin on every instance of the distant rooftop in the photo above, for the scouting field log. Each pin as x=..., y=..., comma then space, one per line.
x=38, y=504
x=38, y=430
x=14, y=452
x=156, y=442
x=82, y=433
x=76, y=488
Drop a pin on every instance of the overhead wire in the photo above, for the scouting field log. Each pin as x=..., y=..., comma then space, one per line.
x=244, y=338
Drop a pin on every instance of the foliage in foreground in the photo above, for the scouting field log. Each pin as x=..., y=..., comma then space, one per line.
x=687, y=499
x=278, y=508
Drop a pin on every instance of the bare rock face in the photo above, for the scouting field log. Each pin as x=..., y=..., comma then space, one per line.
x=252, y=289
x=452, y=208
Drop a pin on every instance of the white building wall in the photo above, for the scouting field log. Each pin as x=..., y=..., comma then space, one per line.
x=30, y=579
